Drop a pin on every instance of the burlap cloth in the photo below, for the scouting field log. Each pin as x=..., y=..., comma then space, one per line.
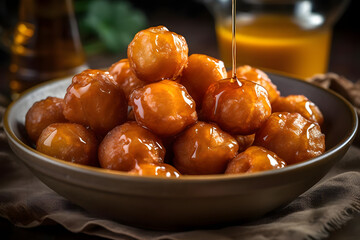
x=27, y=202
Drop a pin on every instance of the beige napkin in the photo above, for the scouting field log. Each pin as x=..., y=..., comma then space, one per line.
x=345, y=87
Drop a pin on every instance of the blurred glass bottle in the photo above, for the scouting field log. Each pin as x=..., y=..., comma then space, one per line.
x=46, y=44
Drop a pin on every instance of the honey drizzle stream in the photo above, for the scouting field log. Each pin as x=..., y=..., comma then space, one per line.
x=233, y=54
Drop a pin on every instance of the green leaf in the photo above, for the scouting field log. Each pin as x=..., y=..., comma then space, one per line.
x=114, y=23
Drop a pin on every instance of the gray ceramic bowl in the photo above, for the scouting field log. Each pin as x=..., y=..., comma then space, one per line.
x=191, y=201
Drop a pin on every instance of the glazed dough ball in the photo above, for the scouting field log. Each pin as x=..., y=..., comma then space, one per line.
x=291, y=136
x=42, y=114
x=157, y=170
x=256, y=75
x=238, y=107
x=94, y=101
x=164, y=107
x=127, y=145
x=203, y=149
x=254, y=159
x=156, y=54
x=70, y=142
x=200, y=73
x=299, y=104
x=124, y=77
x=244, y=141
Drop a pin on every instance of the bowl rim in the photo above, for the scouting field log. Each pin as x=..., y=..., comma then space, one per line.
x=100, y=172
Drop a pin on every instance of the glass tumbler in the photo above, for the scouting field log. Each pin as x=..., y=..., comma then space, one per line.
x=290, y=37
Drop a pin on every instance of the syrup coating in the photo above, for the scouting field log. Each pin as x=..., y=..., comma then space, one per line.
x=291, y=136
x=256, y=75
x=128, y=145
x=157, y=53
x=244, y=141
x=299, y=104
x=200, y=73
x=164, y=107
x=70, y=142
x=203, y=149
x=158, y=170
x=239, y=107
x=42, y=114
x=124, y=77
x=94, y=101
x=254, y=159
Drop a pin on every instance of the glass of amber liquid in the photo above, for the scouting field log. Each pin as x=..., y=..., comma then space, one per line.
x=291, y=37
x=46, y=44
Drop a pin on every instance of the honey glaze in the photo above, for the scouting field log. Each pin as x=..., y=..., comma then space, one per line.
x=129, y=144
x=164, y=107
x=255, y=159
x=237, y=106
x=204, y=149
x=151, y=169
x=233, y=39
x=291, y=136
x=70, y=142
x=91, y=96
x=299, y=104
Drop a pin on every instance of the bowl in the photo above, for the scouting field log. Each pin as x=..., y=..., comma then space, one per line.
x=190, y=201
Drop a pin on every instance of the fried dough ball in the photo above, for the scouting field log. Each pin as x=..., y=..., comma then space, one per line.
x=203, y=149
x=158, y=170
x=70, y=142
x=254, y=159
x=163, y=107
x=94, y=101
x=238, y=107
x=42, y=114
x=127, y=145
x=299, y=104
x=244, y=141
x=124, y=77
x=256, y=75
x=157, y=53
x=200, y=73
x=291, y=136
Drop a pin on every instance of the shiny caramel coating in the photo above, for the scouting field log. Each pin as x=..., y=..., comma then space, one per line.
x=157, y=53
x=239, y=107
x=256, y=75
x=200, y=73
x=70, y=142
x=164, y=107
x=128, y=145
x=42, y=114
x=244, y=141
x=94, y=101
x=158, y=170
x=291, y=136
x=124, y=77
x=299, y=104
x=254, y=159
x=203, y=149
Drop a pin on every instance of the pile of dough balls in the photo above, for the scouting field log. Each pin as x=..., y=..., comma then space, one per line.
x=161, y=112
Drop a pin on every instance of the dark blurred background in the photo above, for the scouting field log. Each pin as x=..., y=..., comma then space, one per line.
x=189, y=18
